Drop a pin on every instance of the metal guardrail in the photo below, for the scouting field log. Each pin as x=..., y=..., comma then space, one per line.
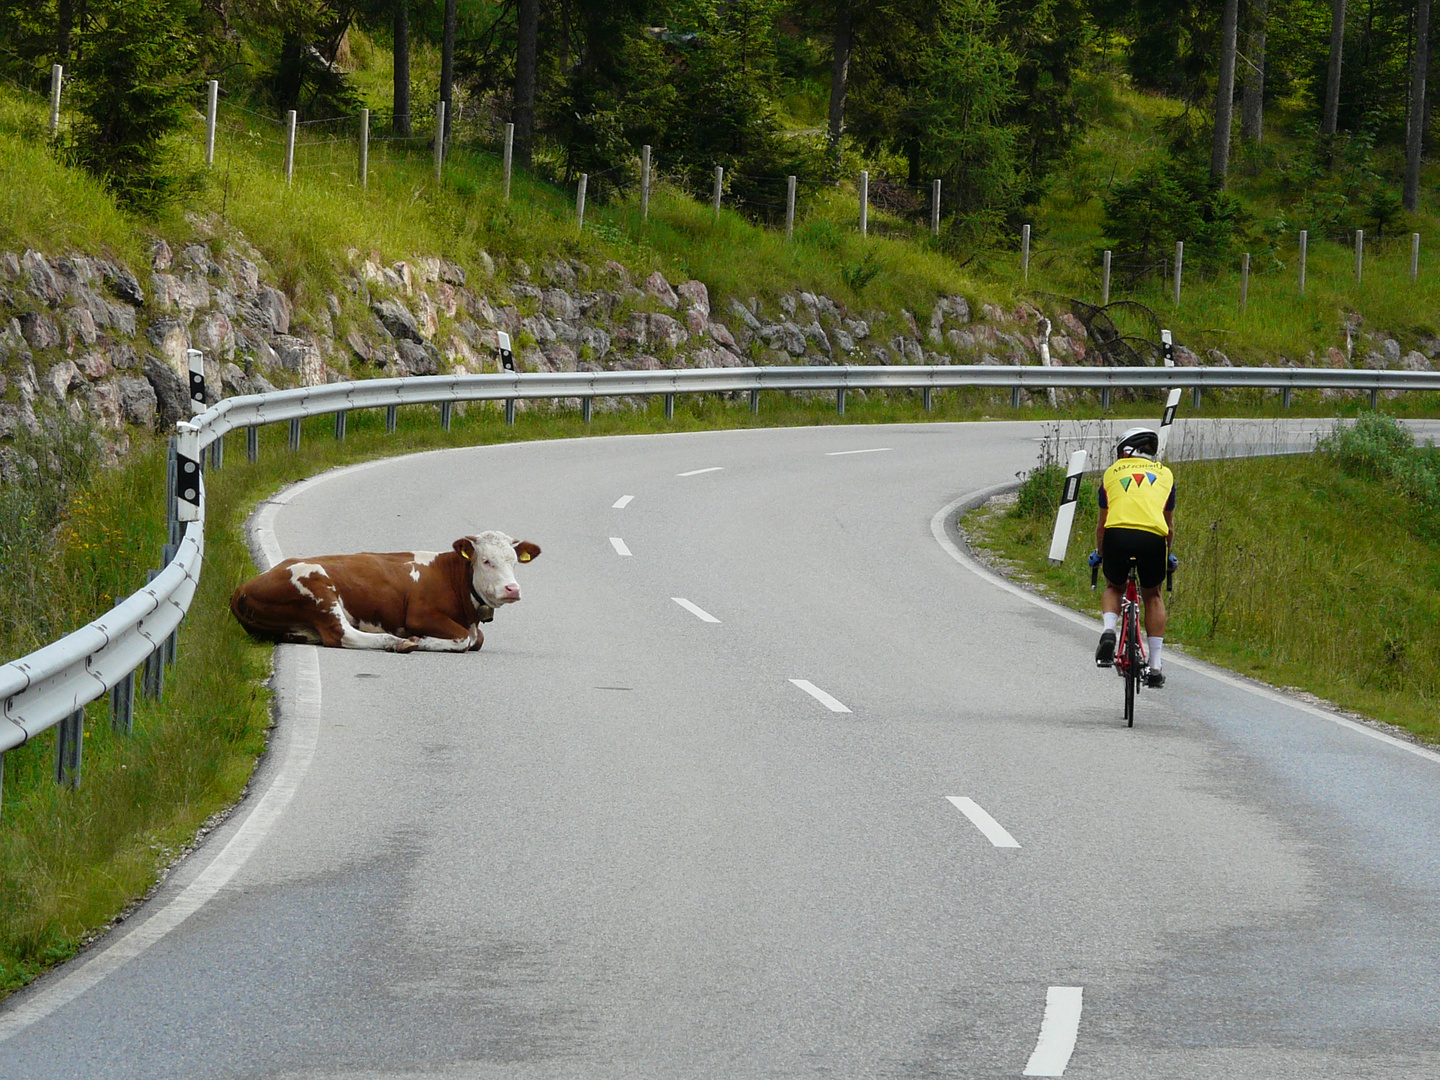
x=54, y=684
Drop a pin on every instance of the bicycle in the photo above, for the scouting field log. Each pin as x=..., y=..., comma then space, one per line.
x=1131, y=663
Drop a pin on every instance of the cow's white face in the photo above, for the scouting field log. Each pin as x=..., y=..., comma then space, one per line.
x=494, y=556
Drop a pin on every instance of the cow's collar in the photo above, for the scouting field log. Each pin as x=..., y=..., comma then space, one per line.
x=483, y=608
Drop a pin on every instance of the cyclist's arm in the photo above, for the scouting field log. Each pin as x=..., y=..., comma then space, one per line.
x=1100, y=529
x=1170, y=524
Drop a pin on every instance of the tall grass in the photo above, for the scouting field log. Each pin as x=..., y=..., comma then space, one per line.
x=1317, y=571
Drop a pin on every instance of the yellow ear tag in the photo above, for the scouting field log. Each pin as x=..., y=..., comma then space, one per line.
x=524, y=556
x=464, y=553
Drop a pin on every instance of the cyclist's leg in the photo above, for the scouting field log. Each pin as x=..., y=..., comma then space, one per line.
x=1115, y=565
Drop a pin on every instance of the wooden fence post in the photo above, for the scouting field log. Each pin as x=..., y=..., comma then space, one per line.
x=1359, y=255
x=935, y=208
x=364, y=148
x=1415, y=256
x=439, y=140
x=580, y=199
x=1105, y=279
x=57, y=76
x=1244, y=281
x=509, y=156
x=1179, y=266
x=645, y=182
x=289, y=145
x=1304, y=250
x=719, y=187
x=864, y=202
x=212, y=105
x=1025, y=253
x=790, y=208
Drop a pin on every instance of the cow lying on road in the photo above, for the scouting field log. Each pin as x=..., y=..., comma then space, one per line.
x=401, y=601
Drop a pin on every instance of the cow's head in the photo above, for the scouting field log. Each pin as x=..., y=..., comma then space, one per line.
x=493, y=556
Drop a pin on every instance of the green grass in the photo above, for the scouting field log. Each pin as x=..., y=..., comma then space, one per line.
x=1291, y=571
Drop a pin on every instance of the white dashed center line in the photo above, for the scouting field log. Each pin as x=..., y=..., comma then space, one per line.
x=819, y=695
x=699, y=613
x=619, y=546
x=622, y=502
x=993, y=830
x=843, y=453
x=697, y=472
x=1057, y=1032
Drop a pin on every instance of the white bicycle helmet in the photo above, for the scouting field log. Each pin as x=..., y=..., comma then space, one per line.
x=1139, y=440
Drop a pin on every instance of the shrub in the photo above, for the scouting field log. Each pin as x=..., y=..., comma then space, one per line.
x=1167, y=202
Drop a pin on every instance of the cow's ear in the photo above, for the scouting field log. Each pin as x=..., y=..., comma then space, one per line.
x=525, y=550
x=464, y=546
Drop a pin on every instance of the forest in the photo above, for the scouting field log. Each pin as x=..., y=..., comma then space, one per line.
x=993, y=98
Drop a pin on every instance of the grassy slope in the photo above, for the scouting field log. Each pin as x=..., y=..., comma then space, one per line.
x=1290, y=571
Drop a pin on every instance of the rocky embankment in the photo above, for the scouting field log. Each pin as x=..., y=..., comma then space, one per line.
x=106, y=342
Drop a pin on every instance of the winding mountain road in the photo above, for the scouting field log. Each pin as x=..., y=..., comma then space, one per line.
x=762, y=778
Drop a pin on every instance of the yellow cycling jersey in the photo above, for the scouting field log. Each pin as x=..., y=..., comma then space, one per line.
x=1136, y=493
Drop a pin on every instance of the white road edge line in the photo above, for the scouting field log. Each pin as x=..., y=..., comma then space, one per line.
x=697, y=472
x=819, y=695
x=1057, y=1032
x=993, y=830
x=619, y=546
x=699, y=613
x=976, y=498
x=622, y=502
x=843, y=453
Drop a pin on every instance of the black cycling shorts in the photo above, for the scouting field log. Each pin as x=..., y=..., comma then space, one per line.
x=1146, y=550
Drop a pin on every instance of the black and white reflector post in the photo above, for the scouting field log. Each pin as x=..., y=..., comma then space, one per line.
x=187, y=472
x=507, y=358
x=196, y=361
x=1066, y=517
x=1172, y=399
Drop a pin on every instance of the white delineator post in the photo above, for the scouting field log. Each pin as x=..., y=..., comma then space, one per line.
x=195, y=361
x=1172, y=399
x=719, y=187
x=1069, y=495
x=935, y=208
x=188, y=485
x=289, y=146
x=364, y=148
x=645, y=182
x=509, y=156
x=1025, y=252
x=1105, y=279
x=1304, y=248
x=1179, y=267
x=212, y=105
x=57, y=76
x=507, y=358
x=439, y=139
x=790, y=207
x=580, y=200
x=864, y=202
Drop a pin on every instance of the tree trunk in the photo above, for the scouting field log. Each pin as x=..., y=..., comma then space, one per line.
x=447, y=66
x=289, y=72
x=1332, y=72
x=65, y=22
x=1252, y=104
x=1415, y=137
x=523, y=114
x=839, y=77
x=401, y=118
x=1224, y=93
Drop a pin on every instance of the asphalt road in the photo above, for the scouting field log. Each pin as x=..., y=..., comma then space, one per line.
x=623, y=842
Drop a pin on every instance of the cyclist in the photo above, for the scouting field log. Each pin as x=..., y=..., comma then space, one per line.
x=1137, y=524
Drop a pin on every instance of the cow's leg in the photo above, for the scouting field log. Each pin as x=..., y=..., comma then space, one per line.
x=337, y=631
x=439, y=633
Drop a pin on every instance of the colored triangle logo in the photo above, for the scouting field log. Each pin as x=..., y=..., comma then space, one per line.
x=1124, y=483
x=1152, y=477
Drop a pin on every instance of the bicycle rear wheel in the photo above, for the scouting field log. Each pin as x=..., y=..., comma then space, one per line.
x=1132, y=666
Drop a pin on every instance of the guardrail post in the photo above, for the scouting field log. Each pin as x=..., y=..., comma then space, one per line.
x=509, y=157
x=1374, y=399
x=69, y=745
x=446, y=409
x=510, y=412
x=295, y=433
x=1195, y=398
x=122, y=705
x=669, y=406
x=585, y=404
x=927, y=397
x=252, y=444
x=341, y=421
x=172, y=526
x=212, y=105
x=840, y=402
x=1015, y=396
x=754, y=402
x=1285, y=398
x=392, y=413
x=1105, y=397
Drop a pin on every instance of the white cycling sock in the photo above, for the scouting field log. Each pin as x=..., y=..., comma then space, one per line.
x=1112, y=620
x=1155, y=643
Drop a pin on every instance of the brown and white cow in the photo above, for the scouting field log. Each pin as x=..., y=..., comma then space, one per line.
x=400, y=601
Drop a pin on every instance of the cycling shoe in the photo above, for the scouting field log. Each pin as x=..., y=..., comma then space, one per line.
x=1156, y=679
x=1105, y=652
